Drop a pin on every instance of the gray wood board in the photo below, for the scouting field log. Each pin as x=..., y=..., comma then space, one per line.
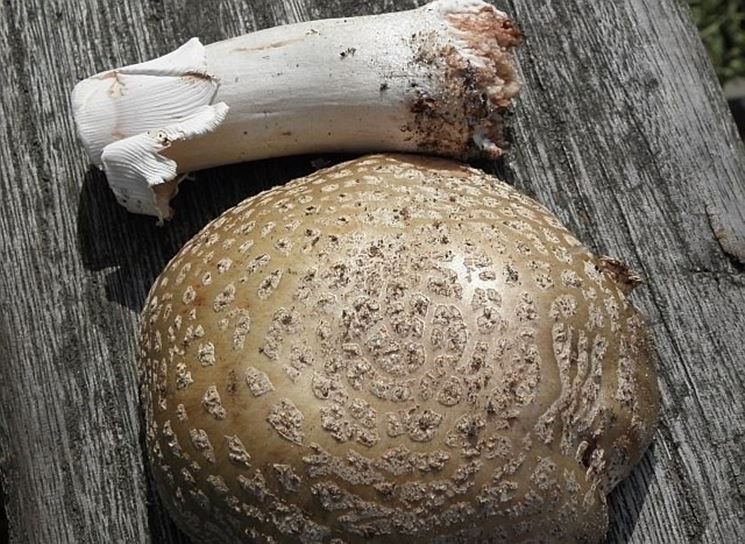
x=621, y=130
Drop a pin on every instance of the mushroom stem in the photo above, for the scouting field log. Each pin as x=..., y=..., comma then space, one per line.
x=436, y=79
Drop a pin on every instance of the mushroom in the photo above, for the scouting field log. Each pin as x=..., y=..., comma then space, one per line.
x=394, y=349
x=435, y=79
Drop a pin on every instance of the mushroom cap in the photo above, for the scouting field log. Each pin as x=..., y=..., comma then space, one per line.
x=397, y=348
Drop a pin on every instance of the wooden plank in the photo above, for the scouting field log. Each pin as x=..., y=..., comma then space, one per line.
x=69, y=425
x=621, y=130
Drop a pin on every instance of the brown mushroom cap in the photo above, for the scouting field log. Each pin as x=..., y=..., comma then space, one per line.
x=395, y=349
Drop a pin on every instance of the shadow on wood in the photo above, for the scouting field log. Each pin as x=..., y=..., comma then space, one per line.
x=133, y=248
x=626, y=501
x=111, y=239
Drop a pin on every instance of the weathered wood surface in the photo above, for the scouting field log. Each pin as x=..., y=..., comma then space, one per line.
x=621, y=129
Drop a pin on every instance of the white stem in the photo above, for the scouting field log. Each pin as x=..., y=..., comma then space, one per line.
x=436, y=79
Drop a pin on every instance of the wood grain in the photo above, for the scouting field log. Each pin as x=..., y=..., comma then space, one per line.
x=621, y=130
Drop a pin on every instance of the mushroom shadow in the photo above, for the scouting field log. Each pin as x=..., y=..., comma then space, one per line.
x=626, y=501
x=133, y=249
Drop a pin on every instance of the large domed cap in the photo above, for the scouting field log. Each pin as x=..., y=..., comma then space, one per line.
x=394, y=349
